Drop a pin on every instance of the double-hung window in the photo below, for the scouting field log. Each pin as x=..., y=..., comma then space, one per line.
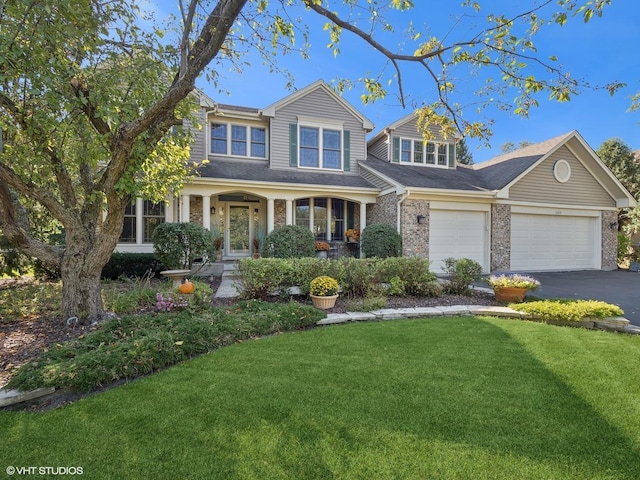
x=239, y=140
x=320, y=148
x=429, y=153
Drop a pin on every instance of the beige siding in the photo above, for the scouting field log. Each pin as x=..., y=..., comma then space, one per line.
x=318, y=104
x=380, y=149
x=540, y=185
x=410, y=130
x=377, y=181
x=199, y=145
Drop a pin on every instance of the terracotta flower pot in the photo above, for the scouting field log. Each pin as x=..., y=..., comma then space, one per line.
x=510, y=294
x=323, y=303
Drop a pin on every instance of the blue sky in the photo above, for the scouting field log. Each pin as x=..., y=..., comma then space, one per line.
x=601, y=51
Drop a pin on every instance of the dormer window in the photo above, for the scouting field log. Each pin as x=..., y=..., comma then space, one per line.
x=412, y=151
x=238, y=140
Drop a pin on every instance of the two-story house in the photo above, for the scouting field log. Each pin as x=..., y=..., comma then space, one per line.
x=306, y=160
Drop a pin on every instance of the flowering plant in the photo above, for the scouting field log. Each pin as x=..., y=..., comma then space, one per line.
x=166, y=304
x=322, y=246
x=324, y=286
x=513, y=280
x=353, y=233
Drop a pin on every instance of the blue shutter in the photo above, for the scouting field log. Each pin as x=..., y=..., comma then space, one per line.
x=293, y=144
x=346, y=149
x=395, y=154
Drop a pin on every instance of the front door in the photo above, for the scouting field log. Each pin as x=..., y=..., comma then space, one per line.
x=238, y=238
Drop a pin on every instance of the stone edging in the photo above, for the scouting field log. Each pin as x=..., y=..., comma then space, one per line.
x=619, y=324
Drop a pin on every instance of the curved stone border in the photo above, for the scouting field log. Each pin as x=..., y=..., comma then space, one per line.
x=618, y=324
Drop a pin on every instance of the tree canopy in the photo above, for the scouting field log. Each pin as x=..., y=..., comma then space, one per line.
x=91, y=92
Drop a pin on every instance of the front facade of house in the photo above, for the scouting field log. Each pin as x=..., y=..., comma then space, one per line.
x=306, y=160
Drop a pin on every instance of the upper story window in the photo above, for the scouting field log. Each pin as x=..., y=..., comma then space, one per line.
x=319, y=146
x=238, y=140
x=411, y=151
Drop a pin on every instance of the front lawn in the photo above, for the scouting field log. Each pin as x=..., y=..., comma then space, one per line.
x=441, y=398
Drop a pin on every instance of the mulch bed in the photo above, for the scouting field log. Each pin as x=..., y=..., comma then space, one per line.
x=22, y=341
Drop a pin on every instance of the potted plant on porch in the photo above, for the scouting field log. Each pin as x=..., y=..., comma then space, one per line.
x=323, y=291
x=512, y=287
x=322, y=249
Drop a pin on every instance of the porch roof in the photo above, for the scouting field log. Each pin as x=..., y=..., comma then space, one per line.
x=260, y=172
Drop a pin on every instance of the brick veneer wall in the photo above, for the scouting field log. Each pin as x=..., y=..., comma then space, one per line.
x=195, y=210
x=609, y=241
x=384, y=210
x=500, y=237
x=415, y=236
x=279, y=213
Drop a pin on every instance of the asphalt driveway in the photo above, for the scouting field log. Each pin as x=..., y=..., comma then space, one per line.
x=619, y=287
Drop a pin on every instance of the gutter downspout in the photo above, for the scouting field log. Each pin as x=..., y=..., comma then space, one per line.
x=403, y=196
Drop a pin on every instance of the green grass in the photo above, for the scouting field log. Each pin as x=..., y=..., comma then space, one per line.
x=442, y=398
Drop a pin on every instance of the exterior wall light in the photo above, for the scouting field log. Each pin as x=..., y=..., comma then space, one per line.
x=421, y=219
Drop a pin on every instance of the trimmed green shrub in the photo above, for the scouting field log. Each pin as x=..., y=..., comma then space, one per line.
x=381, y=241
x=177, y=245
x=415, y=275
x=624, y=248
x=131, y=265
x=263, y=277
x=568, y=310
x=461, y=273
x=289, y=241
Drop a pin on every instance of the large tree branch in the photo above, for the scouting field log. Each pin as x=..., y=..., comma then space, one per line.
x=15, y=226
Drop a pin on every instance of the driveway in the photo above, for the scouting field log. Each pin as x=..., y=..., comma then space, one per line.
x=619, y=287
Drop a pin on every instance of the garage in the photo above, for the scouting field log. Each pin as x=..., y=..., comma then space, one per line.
x=554, y=242
x=458, y=234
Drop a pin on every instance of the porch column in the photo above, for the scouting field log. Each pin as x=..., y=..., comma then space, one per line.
x=185, y=208
x=206, y=212
x=288, y=212
x=328, y=226
x=139, y=221
x=363, y=222
x=168, y=210
x=270, y=214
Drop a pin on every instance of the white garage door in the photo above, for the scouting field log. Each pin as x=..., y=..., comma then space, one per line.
x=548, y=242
x=457, y=234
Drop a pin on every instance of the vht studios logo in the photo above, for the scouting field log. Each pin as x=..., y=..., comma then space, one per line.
x=44, y=470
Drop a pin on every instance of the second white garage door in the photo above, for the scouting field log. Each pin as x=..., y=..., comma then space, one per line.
x=549, y=242
x=457, y=234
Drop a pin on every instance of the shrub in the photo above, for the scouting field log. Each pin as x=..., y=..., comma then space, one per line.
x=381, y=241
x=324, y=286
x=258, y=279
x=289, y=241
x=568, y=310
x=131, y=265
x=415, y=275
x=461, y=273
x=360, y=277
x=177, y=245
x=624, y=248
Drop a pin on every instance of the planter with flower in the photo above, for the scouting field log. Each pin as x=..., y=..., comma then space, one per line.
x=322, y=249
x=323, y=291
x=352, y=234
x=512, y=287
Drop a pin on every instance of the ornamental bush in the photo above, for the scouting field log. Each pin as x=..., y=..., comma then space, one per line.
x=461, y=273
x=289, y=241
x=568, y=310
x=177, y=245
x=381, y=241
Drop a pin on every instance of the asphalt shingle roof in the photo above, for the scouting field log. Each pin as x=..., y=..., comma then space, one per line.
x=260, y=172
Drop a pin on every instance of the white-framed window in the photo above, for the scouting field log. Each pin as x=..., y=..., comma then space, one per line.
x=437, y=154
x=320, y=147
x=238, y=140
x=140, y=220
x=326, y=217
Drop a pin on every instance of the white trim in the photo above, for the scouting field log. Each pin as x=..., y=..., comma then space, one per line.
x=321, y=129
x=476, y=207
x=562, y=171
x=229, y=139
x=554, y=211
x=566, y=206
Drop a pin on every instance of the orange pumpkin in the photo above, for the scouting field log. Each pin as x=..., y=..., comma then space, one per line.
x=186, y=287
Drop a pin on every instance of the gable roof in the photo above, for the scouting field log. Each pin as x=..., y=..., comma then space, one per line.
x=495, y=176
x=270, y=111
